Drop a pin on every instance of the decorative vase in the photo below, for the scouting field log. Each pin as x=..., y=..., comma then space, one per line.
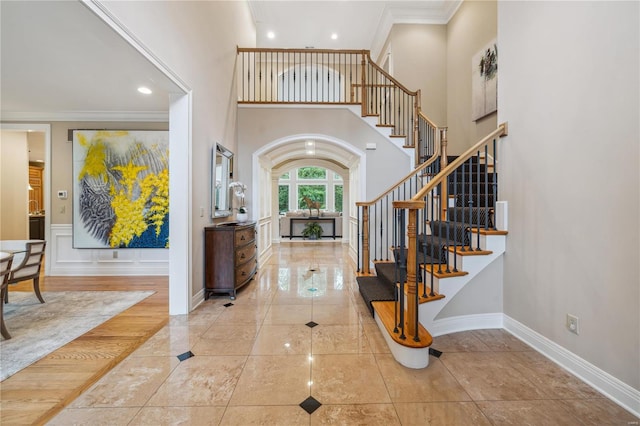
x=242, y=217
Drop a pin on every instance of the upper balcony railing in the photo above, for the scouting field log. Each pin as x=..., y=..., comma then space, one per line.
x=329, y=77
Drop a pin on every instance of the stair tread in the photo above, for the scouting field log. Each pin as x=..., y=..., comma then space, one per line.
x=433, y=269
x=386, y=313
x=374, y=289
x=489, y=231
x=469, y=252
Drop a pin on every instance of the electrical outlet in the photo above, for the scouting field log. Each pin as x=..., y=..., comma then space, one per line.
x=572, y=323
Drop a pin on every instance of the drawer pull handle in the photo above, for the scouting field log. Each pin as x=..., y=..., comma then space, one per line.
x=244, y=273
x=242, y=238
x=242, y=256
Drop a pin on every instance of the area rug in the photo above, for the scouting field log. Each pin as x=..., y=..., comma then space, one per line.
x=38, y=329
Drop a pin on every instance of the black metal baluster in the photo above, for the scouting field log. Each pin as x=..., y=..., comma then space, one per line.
x=416, y=301
x=439, y=247
x=359, y=215
x=463, y=202
x=386, y=220
x=495, y=181
x=431, y=218
x=478, y=199
x=259, y=73
x=244, y=96
x=455, y=223
x=396, y=271
x=486, y=188
x=403, y=269
x=374, y=216
x=448, y=229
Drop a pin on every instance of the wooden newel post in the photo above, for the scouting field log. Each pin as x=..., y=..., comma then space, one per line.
x=416, y=130
x=444, y=161
x=411, y=310
x=365, y=240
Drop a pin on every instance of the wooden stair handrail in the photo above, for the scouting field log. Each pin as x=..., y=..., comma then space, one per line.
x=427, y=119
x=408, y=176
x=501, y=131
x=387, y=75
x=269, y=49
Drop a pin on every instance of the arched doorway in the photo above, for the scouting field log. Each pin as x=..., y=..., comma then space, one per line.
x=292, y=152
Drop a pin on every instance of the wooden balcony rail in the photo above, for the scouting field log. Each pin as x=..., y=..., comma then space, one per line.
x=330, y=77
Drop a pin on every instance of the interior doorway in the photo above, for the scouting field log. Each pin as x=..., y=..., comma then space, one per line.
x=36, y=200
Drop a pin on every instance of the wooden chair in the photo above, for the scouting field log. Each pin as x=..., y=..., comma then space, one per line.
x=5, y=268
x=29, y=268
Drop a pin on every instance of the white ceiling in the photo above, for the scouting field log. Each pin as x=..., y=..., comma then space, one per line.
x=359, y=24
x=60, y=61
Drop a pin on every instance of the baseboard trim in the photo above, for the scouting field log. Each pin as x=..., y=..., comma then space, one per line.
x=623, y=394
x=466, y=323
x=197, y=299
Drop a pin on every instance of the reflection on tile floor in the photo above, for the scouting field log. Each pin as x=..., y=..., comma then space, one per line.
x=256, y=361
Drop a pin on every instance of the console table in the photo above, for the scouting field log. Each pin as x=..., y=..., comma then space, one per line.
x=331, y=220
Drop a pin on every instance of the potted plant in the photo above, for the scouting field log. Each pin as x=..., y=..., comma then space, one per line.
x=312, y=230
x=238, y=189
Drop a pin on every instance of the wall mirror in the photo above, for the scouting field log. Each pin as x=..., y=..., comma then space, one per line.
x=222, y=172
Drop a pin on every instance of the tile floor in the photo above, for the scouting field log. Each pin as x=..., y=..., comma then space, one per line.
x=257, y=361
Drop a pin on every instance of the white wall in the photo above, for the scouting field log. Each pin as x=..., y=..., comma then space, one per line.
x=471, y=28
x=419, y=62
x=260, y=126
x=14, y=182
x=569, y=88
x=197, y=41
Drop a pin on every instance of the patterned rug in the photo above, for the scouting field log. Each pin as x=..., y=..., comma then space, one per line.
x=38, y=329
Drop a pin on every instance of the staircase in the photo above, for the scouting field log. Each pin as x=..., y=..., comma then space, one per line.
x=444, y=236
x=426, y=237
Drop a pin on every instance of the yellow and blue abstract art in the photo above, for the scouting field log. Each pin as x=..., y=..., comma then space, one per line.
x=121, y=189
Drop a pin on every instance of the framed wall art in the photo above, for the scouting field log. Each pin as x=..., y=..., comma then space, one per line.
x=484, y=81
x=120, y=189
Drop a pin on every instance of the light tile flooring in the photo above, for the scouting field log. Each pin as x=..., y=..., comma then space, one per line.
x=256, y=361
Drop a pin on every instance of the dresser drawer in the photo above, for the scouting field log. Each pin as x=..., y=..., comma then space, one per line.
x=246, y=271
x=245, y=253
x=244, y=236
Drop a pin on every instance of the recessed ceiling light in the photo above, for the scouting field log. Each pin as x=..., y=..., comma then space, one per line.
x=334, y=36
x=271, y=34
x=144, y=90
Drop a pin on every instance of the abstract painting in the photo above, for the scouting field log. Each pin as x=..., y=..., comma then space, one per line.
x=484, y=81
x=120, y=189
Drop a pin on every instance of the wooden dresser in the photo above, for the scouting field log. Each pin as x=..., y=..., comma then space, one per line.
x=230, y=257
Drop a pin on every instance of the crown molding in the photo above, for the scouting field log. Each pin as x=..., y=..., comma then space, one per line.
x=142, y=116
x=433, y=13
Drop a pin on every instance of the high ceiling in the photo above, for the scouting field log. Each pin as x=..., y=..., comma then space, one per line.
x=60, y=61
x=358, y=24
